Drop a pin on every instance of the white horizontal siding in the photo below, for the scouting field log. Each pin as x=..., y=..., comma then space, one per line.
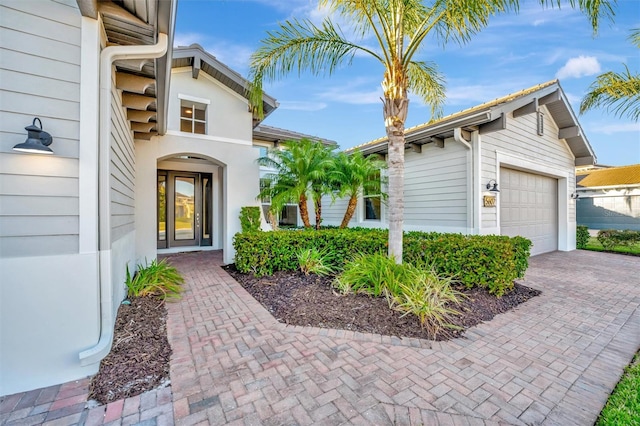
x=520, y=139
x=39, y=77
x=122, y=171
x=435, y=187
x=333, y=212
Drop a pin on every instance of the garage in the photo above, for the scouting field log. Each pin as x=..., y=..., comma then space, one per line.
x=529, y=208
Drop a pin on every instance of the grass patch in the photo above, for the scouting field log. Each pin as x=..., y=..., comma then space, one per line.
x=594, y=245
x=623, y=406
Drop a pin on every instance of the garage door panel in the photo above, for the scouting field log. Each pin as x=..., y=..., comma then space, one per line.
x=528, y=207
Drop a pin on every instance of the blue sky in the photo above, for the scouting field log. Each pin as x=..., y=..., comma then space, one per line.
x=513, y=53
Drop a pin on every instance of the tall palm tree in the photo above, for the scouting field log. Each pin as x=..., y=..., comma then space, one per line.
x=400, y=28
x=354, y=175
x=297, y=169
x=618, y=91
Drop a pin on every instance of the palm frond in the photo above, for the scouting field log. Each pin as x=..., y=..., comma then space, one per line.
x=426, y=81
x=302, y=46
x=634, y=38
x=596, y=10
x=616, y=92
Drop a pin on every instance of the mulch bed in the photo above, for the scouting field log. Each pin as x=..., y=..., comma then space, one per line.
x=296, y=299
x=139, y=358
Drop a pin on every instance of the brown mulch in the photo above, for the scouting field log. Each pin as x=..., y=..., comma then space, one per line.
x=139, y=358
x=296, y=299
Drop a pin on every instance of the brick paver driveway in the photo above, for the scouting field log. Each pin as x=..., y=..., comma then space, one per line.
x=554, y=360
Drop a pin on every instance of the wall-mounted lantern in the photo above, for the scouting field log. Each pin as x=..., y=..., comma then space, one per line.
x=494, y=187
x=37, y=142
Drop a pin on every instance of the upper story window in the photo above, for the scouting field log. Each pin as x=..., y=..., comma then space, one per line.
x=373, y=201
x=193, y=117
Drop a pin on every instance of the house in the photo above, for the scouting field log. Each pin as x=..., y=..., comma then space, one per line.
x=152, y=150
x=504, y=167
x=609, y=197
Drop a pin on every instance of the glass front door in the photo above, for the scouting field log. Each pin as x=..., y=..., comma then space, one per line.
x=184, y=209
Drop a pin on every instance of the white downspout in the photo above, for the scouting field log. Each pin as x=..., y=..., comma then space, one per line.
x=107, y=57
x=476, y=140
x=457, y=136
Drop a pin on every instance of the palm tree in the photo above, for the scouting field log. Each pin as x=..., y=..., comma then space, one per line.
x=297, y=169
x=619, y=91
x=354, y=175
x=400, y=28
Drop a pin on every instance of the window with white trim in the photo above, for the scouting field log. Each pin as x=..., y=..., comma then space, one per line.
x=372, y=201
x=193, y=117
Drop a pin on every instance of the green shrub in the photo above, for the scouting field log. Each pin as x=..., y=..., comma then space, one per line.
x=582, y=236
x=155, y=279
x=372, y=274
x=610, y=238
x=314, y=261
x=489, y=261
x=409, y=289
x=250, y=219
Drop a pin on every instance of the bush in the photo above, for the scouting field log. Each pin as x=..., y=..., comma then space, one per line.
x=250, y=219
x=489, y=261
x=610, y=238
x=155, y=279
x=582, y=236
x=314, y=261
x=409, y=289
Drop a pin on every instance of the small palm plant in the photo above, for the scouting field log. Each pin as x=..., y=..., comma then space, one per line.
x=155, y=279
x=314, y=261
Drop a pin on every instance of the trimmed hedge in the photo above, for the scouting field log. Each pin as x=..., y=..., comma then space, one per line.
x=610, y=238
x=250, y=218
x=582, y=236
x=489, y=261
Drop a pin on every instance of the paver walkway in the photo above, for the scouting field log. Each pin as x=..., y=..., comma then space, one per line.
x=553, y=360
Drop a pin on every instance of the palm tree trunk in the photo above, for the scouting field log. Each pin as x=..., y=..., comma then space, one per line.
x=351, y=209
x=318, y=205
x=273, y=219
x=395, y=114
x=304, y=211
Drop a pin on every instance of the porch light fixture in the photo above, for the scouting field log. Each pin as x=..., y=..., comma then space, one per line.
x=575, y=196
x=37, y=142
x=493, y=188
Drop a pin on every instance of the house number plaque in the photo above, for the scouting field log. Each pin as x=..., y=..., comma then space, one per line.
x=489, y=201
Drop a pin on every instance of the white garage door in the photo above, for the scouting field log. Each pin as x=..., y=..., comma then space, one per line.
x=529, y=208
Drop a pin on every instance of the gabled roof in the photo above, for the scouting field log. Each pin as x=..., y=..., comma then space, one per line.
x=492, y=116
x=144, y=83
x=197, y=58
x=275, y=134
x=613, y=176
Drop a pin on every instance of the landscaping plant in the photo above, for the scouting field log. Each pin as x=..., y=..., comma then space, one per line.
x=611, y=238
x=155, y=279
x=314, y=261
x=582, y=236
x=409, y=289
x=250, y=219
x=623, y=406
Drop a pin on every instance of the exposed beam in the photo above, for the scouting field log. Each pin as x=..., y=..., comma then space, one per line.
x=551, y=97
x=133, y=83
x=140, y=116
x=529, y=108
x=415, y=147
x=584, y=161
x=195, y=68
x=134, y=101
x=143, y=127
x=569, y=132
x=499, y=123
x=438, y=142
x=144, y=136
x=88, y=8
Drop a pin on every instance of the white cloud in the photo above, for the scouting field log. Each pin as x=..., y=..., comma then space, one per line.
x=187, y=39
x=611, y=128
x=357, y=92
x=579, y=67
x=302, y=105
x=234, y=55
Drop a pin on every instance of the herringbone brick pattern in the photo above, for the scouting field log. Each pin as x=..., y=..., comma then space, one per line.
x=553, y=360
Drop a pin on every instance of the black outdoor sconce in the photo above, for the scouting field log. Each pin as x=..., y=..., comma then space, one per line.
x=495, y=186
x=37, y=142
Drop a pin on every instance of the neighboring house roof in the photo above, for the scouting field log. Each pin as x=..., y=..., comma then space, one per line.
x=144, y=83
x=492, y=116
x=613, y=176
x=197, y=58
x=275, y=134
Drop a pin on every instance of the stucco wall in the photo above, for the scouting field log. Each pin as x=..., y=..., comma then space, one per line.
x=612, y=209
